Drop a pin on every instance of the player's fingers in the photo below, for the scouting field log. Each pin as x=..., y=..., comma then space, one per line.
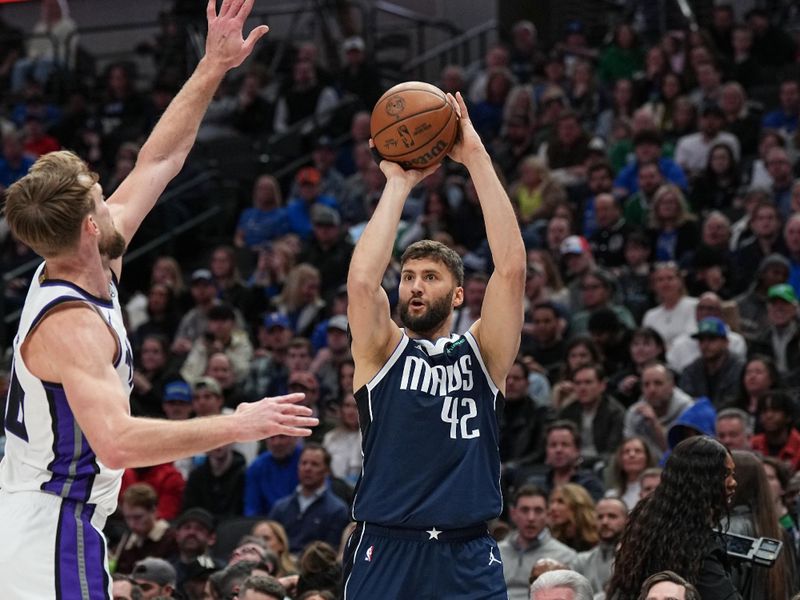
x=454, y=104
x=254, y=36
x=297, y=410
x=294, y=431
x=430, y=170
x=462, y=107
x=211, y=10
x=244, y=9
x=288, y=398
x=225, y=8
x=292, y=421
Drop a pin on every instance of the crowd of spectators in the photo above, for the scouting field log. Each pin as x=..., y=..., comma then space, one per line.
x=657, y=186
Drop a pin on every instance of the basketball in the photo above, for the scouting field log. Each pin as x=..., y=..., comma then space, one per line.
x=414, y=125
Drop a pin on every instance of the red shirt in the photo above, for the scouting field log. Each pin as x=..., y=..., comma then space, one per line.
x=42, y=146
x=168, y=483
x=790, y=453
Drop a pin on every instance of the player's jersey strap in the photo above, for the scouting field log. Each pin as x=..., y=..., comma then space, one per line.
x=430, y=438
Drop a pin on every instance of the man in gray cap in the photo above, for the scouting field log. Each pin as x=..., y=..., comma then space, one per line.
x=155, y=576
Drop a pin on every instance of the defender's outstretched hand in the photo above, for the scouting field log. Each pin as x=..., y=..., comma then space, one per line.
x=281, y=415
x=225, y=44
x=394, y=172
x=468, y=143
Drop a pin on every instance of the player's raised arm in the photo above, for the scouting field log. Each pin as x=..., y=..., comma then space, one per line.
x=498, y=330
x=368, y=313
x=79, y=356
x=163, y=154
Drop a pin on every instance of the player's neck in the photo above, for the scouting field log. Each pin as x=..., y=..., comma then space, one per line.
x=90, y=275
x=443, y=331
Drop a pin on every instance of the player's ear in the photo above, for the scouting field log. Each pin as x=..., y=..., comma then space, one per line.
x=458, y=296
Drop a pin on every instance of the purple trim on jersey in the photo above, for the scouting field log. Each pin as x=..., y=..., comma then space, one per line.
x=73, y=467
x=86, y=295
x=80, y=555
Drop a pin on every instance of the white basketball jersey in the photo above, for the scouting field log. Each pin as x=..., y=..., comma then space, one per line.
x=45, y=448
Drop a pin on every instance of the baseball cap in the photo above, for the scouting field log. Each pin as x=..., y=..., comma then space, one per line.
x=309, y=175
x=208, y=383
x=177, y=391
x=782, y=291
x=198, y=515
x=574, y=244
x=276, y=319
x=338, y=322
x=324, y=215
x=200, y=568
x=202, y=275
x=353, y=43
x=156, y=570
x=711, y=327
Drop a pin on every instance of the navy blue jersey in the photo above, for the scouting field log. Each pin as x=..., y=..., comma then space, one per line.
x=430, y=438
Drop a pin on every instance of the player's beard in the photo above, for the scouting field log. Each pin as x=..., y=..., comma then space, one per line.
x=429, y=321
x=111, y=245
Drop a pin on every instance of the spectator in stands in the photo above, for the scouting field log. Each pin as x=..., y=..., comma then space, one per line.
x=176, y=400
x=578, y=351
x=346, y=162
x=470, y=309
x=14, y=162
x=739, y=118
x=646, y=149
x=597, y=291
x=567, y=149
x=571, y=517
x=150, y=374
x=597, y=564
x=300, y=299
x=576, y=255
x=272, y=476
x=791, y=236
x=487, y=115
x=217, y=485
x=526, y=58
x=194, y=323
x=328, y=249
x=535, y=193
x=155, y=577
x=671, y=225
x=343, y=442
x=608, y=241
x=779, y=168
x=715, y=374
x=752, y=304
x=452, y=79
x=597, y=415
x=666, y=584
x=52, y=46
x=685, y=349
x=675, y=312
x=623, y=105
x=716, y=187
x=530, y=541
x=147, y=534
x=312, y=512
x=275, y=537
x=633, y=278
x=745, y=70
x=358, y=76
x=302, y=97
x=329, y=359
x=194, y=535
x=221, y=335
x=162, y=315
x=124, y=588
x=708, y=85
x=309, y=181
x=776, y=414
x=515, y=142
x=784, y=119
x=759, y=376
x=272, y=267
x=228, y=279
x=624, y=473
x=781, y=339
x=623, y=57
x=543, y=335
x=734, y=429
x=645, y=346
x=123, y=110
x=37, y=141
x=600, y=181
x=522, y=424
x=660, y=406
x=266, y=219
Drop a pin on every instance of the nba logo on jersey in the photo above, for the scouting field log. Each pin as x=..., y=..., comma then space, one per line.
x=368, y=555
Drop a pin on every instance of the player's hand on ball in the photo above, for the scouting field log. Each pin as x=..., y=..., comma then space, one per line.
x=468, y=143
x=282, y=415
x=394, y=171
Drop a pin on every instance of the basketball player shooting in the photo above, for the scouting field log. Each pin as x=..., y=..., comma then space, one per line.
x=428, y=401
x=67, y=421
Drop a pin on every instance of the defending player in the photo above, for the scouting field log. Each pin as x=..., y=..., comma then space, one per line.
x=428, y=402
x=68, y=424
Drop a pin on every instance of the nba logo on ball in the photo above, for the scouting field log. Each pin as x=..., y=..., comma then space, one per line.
x=368, y=555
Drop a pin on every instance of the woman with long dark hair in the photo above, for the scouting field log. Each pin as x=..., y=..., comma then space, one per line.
x=716, y=187
x=674, y=528
x=759, y=376
x=753, y=514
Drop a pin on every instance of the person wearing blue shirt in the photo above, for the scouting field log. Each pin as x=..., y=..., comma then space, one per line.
x=266, y=219
x=272, y=476
x=14, y=163
x=298, y=211
x=647, y=148
x=312, y=513
x=784, y=119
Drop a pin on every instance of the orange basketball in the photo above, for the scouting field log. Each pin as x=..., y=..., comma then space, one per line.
x=414, y=125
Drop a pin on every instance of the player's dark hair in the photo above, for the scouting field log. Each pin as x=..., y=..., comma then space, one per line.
x=438, y=252
x=672, y=528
